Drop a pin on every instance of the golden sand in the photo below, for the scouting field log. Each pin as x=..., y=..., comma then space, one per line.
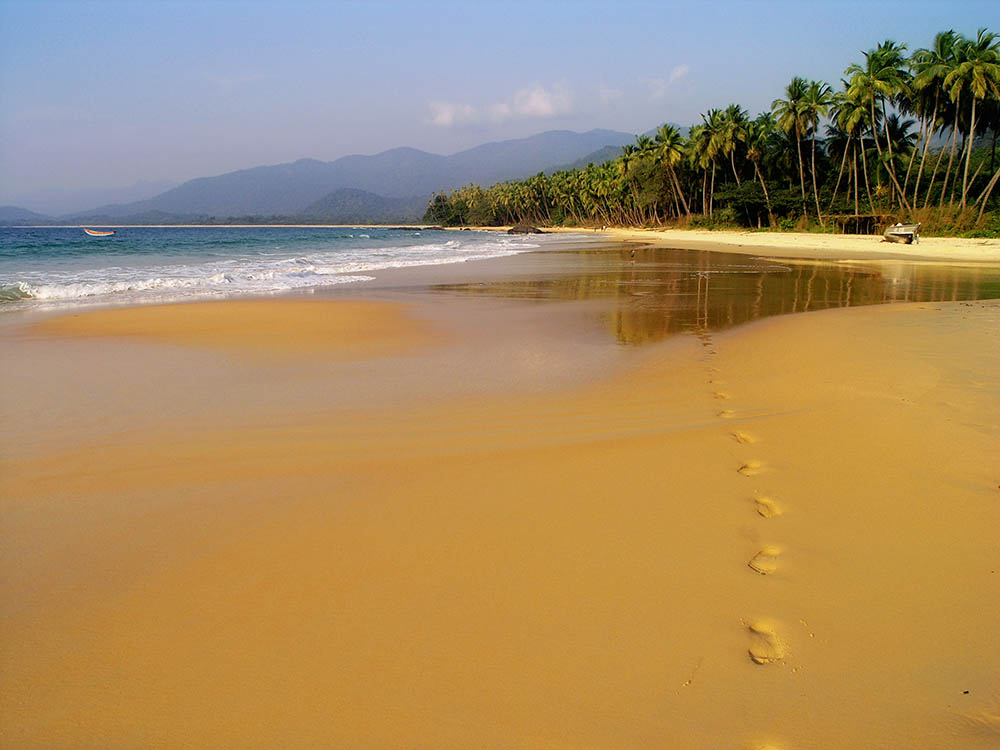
x=810, y=562
x=337, y=329
x=810, y=244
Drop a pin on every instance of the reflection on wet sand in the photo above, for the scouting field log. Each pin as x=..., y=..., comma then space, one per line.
x=664, y=291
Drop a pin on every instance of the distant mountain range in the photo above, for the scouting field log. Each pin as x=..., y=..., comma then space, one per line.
x=15, y=215
x=393, y=186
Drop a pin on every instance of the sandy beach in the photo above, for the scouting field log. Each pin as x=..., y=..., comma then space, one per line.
x=811, y=245
x=407, y=516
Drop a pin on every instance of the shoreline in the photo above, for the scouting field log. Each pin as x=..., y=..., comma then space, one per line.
x=809, y=245
x=806, y=245
x=495, y=525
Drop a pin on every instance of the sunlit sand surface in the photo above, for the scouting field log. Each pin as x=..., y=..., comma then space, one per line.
x=605, y=561
x=337, y=329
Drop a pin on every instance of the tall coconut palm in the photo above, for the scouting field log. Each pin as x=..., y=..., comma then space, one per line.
x=699, y=141
x=669, y=150
x=731, y=131
x=881, y=77
x=758, y=133
x=714, y=122
x=930, y=67
x=978, y=72
x=629, y=155
x=788, y=113
x=814, y=105
x=849, y=115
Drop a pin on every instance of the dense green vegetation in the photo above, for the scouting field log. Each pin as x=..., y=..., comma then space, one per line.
x=905, y=138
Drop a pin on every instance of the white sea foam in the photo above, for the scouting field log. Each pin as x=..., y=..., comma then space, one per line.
x=216, y=274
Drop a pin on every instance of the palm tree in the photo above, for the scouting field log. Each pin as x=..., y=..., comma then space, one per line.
x=978, y=70
x=714, y=124
x=646, y=152
x=814, y=104
x=669, y=150
x=849, y=115
x=732, y=130
x=931, y=66
x=699, y=140
x=629, y=154
x=881, y=77
x=758, y=133
x=788, y=112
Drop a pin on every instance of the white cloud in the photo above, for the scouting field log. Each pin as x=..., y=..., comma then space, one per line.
x=447, y=114
x=657, y=87
x=678, y=72
x=536, y=101
x=533, y=101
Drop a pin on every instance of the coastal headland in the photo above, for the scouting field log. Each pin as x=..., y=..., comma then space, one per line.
x=524, y=502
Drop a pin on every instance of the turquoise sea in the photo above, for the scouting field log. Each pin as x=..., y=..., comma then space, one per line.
x=64, y=266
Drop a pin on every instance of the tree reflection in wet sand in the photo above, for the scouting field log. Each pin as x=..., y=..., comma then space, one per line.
x=665, y=291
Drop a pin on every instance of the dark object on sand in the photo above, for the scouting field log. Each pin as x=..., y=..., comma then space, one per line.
x=524, y=229
x=905, y=233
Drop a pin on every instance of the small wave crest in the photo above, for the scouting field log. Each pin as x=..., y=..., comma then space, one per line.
x=221, y=269
x=222, y=283
x=15, y=292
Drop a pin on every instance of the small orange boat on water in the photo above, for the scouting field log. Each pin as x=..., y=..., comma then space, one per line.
x=98, y=232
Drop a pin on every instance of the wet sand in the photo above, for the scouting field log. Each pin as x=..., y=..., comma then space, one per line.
x=493, y=525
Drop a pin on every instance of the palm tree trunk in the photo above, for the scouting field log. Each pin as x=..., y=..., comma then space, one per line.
x=888, y=144
x=975, y=176
x=878, y=147
x=819, y=214
x=985, y=196
x=704, y=192
x=951, y=159
x=732, y=161
x=868, y=187
x=802, y=174
x=958, y=168
x=711, y=193
x=854, y=160
x=767, y=197
x=680, y=193
x=968, y=153
x=840, y=174
x=937, y=166
x=913, y=154
x=923, y=157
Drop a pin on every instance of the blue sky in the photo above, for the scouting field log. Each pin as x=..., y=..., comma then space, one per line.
x=105, y=94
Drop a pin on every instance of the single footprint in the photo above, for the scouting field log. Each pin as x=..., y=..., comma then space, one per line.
x=743, y=437
x=767, y=507
x=765, y=645
x=722, y=395
x=765, y=562
x=727, y=414
x=750, y=468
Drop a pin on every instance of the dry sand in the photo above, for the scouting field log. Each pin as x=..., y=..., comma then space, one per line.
x=811, y=245
x=781, y=536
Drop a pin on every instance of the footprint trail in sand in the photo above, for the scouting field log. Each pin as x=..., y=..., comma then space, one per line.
x=765, y=561
x=765, y=645
x=767, y=507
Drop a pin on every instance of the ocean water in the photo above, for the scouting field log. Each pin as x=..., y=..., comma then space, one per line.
x=54, y=266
